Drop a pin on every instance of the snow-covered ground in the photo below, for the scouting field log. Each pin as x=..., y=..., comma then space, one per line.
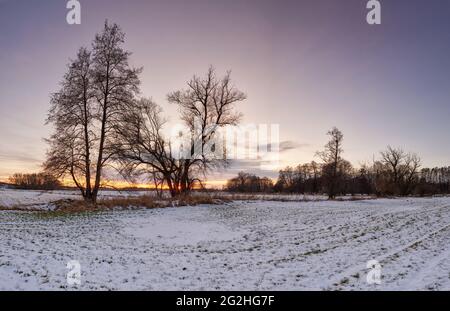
x=37, y=199
x=236, y=246
x=41, y=200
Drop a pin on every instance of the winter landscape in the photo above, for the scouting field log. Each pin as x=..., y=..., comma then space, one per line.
x=241, y=245
x=257, y=145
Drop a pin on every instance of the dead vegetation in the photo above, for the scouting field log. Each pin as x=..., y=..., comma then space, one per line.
x=3, y=208
x=70, y=206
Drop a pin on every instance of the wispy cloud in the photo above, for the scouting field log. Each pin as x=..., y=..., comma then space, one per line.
x=285, y=145
x=291, y=145
x=18, y=157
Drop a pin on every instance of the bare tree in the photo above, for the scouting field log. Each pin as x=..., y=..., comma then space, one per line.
x=393, y=158
x=71, y=114
x=99, y=86
x=205, y=106
x=332, y=158
x=402, y=169
x=249, y=183
x=115, y=86
x=143, y=148
x=35, y=181
x=412, y=168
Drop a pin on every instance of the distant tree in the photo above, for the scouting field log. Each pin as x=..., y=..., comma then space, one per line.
x=434, y=181
x=35, y=181
x=304, y=178
x=364, y=181
x=316, y=175
x=248, y=183
x=287, y=180
x=333, y=162
x=337, y=180
x=401, y=170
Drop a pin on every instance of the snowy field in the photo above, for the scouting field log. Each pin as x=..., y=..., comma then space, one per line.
x=236, y=246
x=41, y=200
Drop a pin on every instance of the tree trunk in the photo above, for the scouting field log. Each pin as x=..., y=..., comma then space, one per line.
x=102, y=140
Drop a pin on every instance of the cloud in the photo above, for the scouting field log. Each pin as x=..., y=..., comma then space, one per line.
x=11, y=157
x=286, y=145
x=291, y=145
x=248, y=166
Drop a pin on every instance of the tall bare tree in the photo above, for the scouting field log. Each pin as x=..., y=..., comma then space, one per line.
x=99, y=86
x=71, y=114
x=206, y=105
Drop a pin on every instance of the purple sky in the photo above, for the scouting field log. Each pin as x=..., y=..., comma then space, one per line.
x=307, y=65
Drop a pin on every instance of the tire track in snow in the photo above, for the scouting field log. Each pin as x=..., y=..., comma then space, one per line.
x=383, y=259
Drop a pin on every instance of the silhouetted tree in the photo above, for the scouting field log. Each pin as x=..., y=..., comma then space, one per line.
x=333, y=162
x=142, y=148
x=39, y=181
x=401, y=170
x=248, y=183
x=205, y=106
x=71, y=114
x=100, y=85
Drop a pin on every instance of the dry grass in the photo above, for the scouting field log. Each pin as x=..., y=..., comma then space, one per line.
x=356, y=198
x=19, y=208
x=260, y=197
x=191, y=200
x=65, y=207
x=276, y=197
x=68, y=207
x=4, y=208
x=130, y=203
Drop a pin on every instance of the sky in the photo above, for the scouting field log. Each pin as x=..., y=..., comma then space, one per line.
x=307, y=65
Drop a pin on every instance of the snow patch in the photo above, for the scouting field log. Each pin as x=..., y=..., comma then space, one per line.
x=180, y=232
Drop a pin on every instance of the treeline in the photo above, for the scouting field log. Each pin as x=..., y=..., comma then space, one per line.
x=377, y=180
x=35, y=181
x=395, y=173
x=245, y=182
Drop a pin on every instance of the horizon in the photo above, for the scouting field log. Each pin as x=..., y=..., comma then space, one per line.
x=305, y=65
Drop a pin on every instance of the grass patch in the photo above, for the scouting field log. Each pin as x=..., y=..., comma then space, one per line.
x=130, y=203
x=63, y=208
x=192, y=200
x=355, y=198
x=20, y=209
x=265, y=197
